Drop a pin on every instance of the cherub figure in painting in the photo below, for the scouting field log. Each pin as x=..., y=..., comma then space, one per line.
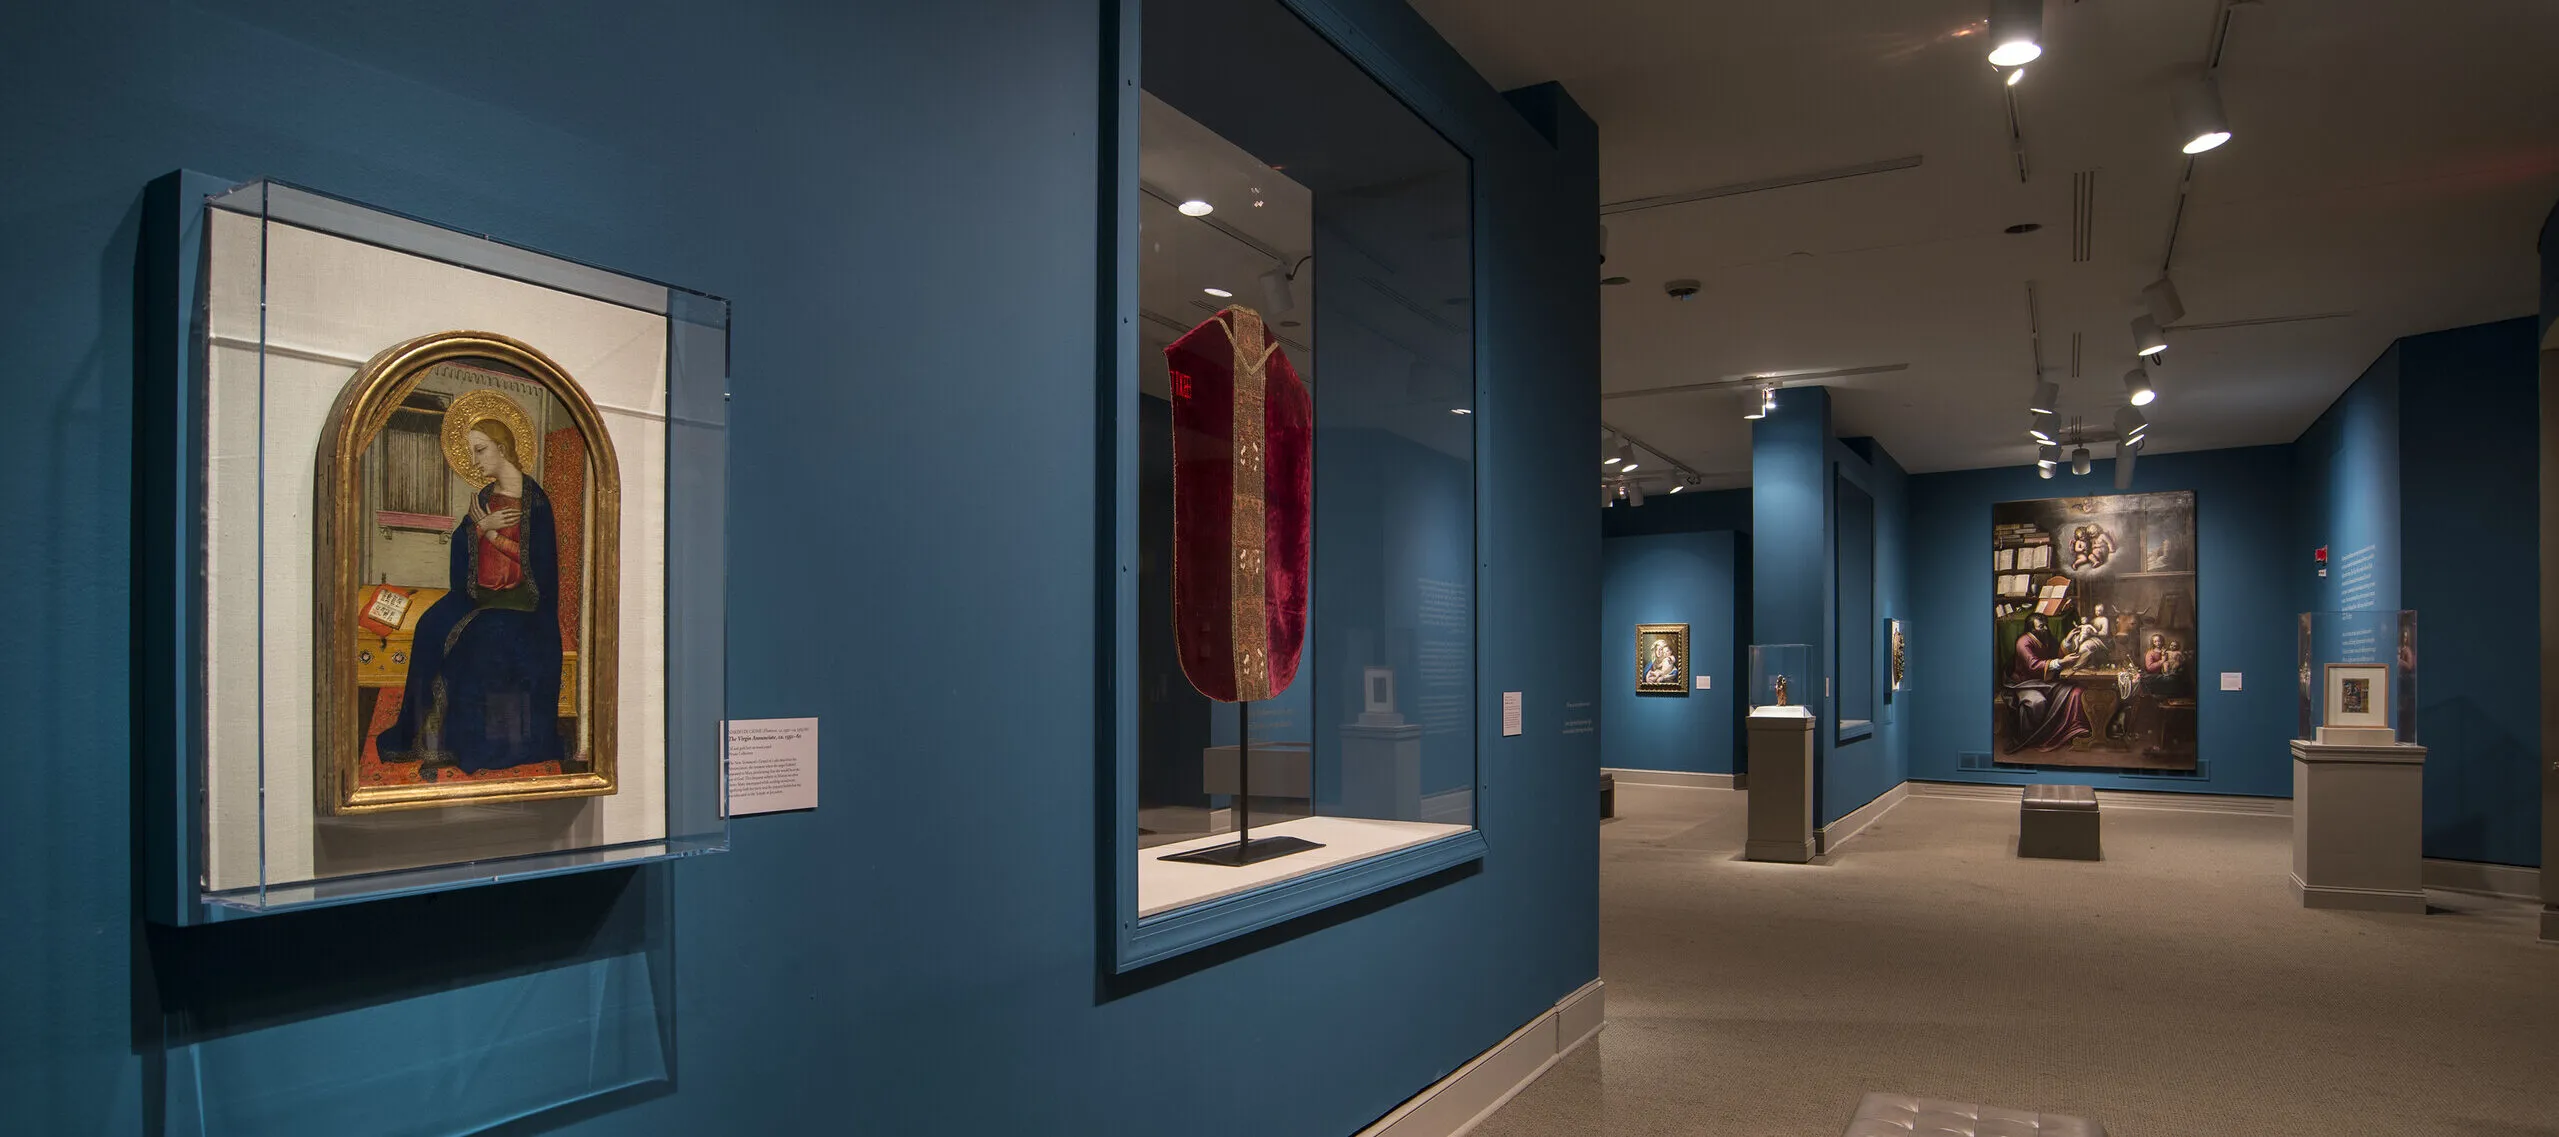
x=483, y=686
x=1661, y=665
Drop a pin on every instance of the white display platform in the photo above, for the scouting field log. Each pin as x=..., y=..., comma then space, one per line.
x=2358, y=826
x=1162, y=886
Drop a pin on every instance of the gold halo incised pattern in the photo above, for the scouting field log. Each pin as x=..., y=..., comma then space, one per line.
x=472, y=407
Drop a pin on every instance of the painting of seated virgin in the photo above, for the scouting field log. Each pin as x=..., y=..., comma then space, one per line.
x=467, y=559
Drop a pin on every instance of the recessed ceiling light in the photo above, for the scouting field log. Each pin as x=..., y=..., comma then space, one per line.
x=1196, y=208
x=1220, y=293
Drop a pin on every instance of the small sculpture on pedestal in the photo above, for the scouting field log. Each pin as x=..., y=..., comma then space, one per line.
x=1781, y=690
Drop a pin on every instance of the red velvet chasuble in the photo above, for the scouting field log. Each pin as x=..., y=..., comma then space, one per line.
x=1243, y=507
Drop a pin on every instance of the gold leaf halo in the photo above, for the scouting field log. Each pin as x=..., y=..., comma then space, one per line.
x=471, y=407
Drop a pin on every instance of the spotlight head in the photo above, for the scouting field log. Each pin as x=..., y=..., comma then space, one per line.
x=2124, y=456
x=1626, y=453
x=2130, y=422
x=2201, y=125
x=2166, y=307
x=1634, y=495
x=2047, y=397
x=2016, y=75
x=2048, y=456
x=2137, y=387
x=2148, y=339
x=2043, y=471
x=2016, y=32
x=2079, y=460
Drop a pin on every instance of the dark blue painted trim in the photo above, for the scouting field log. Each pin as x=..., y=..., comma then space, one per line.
x=1133, y=943
x=1225, y=918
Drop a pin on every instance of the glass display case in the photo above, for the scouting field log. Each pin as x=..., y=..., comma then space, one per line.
x=1299, y=433
x=2358, y=677
x=1782, y=680
x=439, y=556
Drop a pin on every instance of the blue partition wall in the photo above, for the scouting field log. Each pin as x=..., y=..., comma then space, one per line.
x=902, y=202
x=1671, y=578
x=2243, y=500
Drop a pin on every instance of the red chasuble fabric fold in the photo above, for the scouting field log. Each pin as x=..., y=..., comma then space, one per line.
x=1243, y=507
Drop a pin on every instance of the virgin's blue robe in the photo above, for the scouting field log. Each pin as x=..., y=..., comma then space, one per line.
x=484, y=672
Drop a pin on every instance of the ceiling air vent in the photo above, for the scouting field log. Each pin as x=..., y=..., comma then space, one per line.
x=2083, y=216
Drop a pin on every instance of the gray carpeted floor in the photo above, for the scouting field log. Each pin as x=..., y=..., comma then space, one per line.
x=2175, y=990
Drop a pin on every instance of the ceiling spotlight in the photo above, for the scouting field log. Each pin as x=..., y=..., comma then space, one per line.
x=2016, y=32
x=1220, y=293
x=1759, y=403
x=2016, y=75
x=1461, y=410
x=1277, y=295
x=2048, y=456
x=1634, y=495
x=2124, y=466
x=2043, y=471
x=2166, y=308
x=2200, y=122
x=1679, y=487
x=1626, y=453
x=2147, y=338
x=1628, y=468
x=1195, y=208
x=2137, y=387
x=1607, y=453
x=2036, y=431
x=2079, y=460
x=2047, y=396
x=2130, y=422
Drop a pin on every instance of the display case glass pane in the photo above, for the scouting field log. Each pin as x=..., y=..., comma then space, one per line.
x=1782, y=681
x=2358, y=677
x=462, y=555
x=1305, y=491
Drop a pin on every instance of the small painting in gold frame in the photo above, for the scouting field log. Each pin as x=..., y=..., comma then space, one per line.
x=1661, y=659
x=467, y=581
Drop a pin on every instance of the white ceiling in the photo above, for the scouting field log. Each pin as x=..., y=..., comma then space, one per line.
x=2392, y=159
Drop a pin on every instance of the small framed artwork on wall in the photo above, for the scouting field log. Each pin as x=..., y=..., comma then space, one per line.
x=2358, y=695
x=1661, y=659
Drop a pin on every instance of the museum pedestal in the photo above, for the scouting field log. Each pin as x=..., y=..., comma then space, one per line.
x=2357, y=825
x=1382, y=769
x=1781, y=785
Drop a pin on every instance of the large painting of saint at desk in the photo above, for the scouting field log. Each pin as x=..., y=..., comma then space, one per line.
x=2094, y=654
x=467, y=576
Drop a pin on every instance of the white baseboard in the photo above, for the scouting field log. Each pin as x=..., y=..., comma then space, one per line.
x=1837, y=833
x=2512, y=882
x=2121, y=799
x=2359, y=899
x=1680, y=778
x=1461, y=1101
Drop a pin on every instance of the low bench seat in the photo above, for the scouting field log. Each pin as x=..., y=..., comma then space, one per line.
x=2058, y=822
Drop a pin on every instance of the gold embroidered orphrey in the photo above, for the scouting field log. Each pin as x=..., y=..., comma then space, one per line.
x=362, y=410
x=1248, y=528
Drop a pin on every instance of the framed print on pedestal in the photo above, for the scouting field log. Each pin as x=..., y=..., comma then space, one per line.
x=439, y=549
x=2358, y=695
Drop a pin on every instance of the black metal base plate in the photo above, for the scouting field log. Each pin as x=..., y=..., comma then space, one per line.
x=1239, y=854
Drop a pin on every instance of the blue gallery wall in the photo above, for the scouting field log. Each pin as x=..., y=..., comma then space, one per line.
x=1669, y=578
x=1859, y=771
x=1704, y=511
x=2470, y=470
x=2242, y=498
x=901, y=201
x=2346, y=497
